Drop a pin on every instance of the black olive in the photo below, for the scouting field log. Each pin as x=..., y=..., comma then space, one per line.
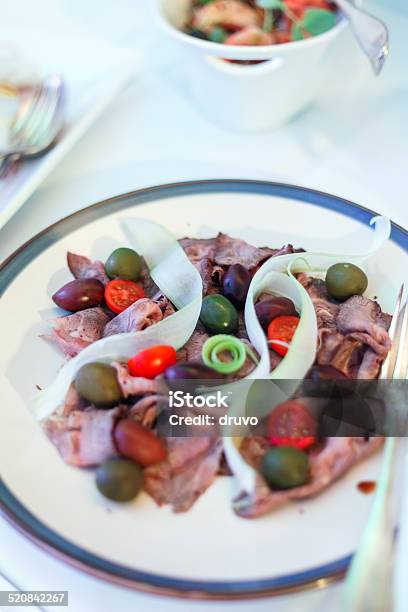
x=235, y=284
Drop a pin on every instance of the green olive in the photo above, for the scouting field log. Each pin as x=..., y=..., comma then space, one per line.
x=344, y=280
x=124, y=263
x=119, y=479
x=98, y=383
x=218, y=315
x=217, y=34
x=284, y=467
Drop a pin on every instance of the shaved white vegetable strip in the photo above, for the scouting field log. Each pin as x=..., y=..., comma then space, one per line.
x=276, y=277
x=169, y=266
x=299, y=358
x=301, y=352
x=176, y=277
x=300, y=355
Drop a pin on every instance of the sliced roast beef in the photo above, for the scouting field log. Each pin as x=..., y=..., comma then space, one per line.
x=287, y=249
x=201, y=253
x=274, y=359
x=73, y=402
x=74, y=332
x=326, y=313
x=145, y=280
x=370, y=341
x=189, y=469
x=344, y=353
x=370, y=365
x=347, y=354
x=232, y=251
x=359, y=314
x=165, y=305
x=326, y=465
x=83, y=267
x=249, y=364
x=84, y=437
x=134, y=385
x=326, y=309
x=253, y=448
x=199, y=248
x=146, y=409
x=191, y=351
x=137, y=316
x=364, y=329
x=211, y=255
x=316, y=287
x=348, y=331
x=206, y=268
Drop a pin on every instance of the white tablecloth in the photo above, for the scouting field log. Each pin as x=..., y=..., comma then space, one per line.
x=351, y=143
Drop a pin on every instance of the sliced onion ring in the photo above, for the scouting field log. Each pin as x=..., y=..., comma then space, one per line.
x=225, y=343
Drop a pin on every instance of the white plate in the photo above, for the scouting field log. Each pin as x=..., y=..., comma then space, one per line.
x=209, y=551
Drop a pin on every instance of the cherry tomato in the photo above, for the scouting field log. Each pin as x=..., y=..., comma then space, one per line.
x=120, y=294
x=302, y=443
x=282, y=37
x=152, y=361
x=138, y=443
x=282, y=329
x=298, y=7
x=291, y=424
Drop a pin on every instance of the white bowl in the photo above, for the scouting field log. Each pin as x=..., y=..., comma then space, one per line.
x=250, y=97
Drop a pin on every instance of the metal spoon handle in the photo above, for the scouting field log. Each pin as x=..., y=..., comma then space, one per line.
x=9, y=157
x=7, y=161
x=371, y=33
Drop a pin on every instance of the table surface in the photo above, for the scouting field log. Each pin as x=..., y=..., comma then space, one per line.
x=351, y=143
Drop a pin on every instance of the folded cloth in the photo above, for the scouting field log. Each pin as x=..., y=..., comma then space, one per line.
x=15, y=69
x=93, y=69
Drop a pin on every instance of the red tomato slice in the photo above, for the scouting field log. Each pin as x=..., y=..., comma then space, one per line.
x=300, y=443
x=298, y=7
x=120, y=294
x=291, y=424
x=152, y=361
x=282, y=329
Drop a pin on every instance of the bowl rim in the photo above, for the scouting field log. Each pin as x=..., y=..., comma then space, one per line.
x=247, y=52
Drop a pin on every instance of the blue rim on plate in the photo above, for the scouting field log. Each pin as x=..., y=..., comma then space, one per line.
x=21, y=518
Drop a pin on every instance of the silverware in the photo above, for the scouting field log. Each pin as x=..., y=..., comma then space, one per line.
x=12, y=586
x=37, y=123
x=8, y=90
x=371, y=33
x=369, y=584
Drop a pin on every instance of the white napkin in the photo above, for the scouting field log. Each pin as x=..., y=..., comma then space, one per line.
x=15, y=69
x=81, y=58
x=94, y=71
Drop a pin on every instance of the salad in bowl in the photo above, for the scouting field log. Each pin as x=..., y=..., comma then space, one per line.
x=259, y=22
x=252, y=65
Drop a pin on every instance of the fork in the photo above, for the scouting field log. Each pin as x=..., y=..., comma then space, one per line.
x=28, y=102
x=370, y=32
x=369, y=584
x=37, y=123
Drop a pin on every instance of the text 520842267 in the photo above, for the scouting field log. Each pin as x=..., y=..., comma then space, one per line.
x=33, y=598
